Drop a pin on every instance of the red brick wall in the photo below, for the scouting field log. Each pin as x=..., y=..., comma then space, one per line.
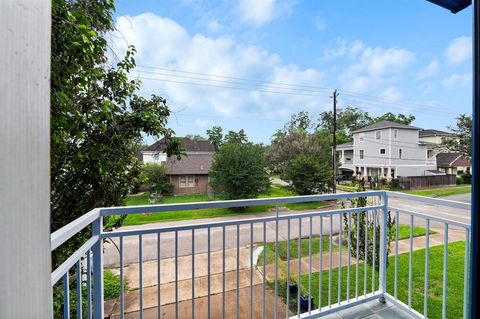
x=201, y=183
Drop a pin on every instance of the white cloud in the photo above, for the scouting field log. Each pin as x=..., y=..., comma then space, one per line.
x=428, y=71
x=457, y=80
x=203, y=123
x=391, y=94
x=342, y=49
x=459, y=50
x=162, y=42
x=258, y=13
x=370, y=69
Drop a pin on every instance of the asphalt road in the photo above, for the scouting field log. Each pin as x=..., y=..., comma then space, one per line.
x=149, y=242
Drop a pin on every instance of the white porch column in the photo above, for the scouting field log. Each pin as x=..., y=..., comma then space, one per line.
x=25, y=159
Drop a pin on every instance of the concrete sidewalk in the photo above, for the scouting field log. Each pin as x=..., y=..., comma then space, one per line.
x=200, y=280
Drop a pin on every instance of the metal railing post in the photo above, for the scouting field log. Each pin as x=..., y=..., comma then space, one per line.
x=383, y=248
x=97, y=250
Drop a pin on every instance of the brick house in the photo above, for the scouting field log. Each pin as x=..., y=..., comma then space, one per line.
x=189, y=175
x=454, y=163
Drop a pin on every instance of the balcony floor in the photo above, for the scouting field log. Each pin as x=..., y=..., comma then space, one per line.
x=370, y=310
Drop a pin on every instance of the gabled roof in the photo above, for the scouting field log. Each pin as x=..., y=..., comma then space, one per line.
x=194, y=164
x=190, y=146
x=433, y=132
x=445, y=159
x=386, y=124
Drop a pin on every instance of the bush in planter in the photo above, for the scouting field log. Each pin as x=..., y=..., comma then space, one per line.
x=459, y=180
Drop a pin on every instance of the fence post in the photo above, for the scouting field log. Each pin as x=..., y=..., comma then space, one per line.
x=383, y=248
x=97, y=250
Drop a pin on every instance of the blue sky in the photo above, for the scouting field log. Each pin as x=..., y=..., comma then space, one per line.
x=251, y=64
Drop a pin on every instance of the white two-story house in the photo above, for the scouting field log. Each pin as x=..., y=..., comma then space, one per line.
x=387, y=149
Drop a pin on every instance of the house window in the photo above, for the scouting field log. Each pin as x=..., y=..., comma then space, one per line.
x=187, y=181
x=429, y=154
x=395, y=134
x=378, y=135
x=361, y=154
x=400, y=153
x=382, y=151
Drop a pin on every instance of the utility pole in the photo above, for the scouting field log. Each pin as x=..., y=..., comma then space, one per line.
x=334, y=153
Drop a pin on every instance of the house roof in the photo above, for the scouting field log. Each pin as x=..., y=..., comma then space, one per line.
x=348, y=144
x=433, y=132
x=190, y=146
x=445, y=159
x=386, y=124
x=194, y=164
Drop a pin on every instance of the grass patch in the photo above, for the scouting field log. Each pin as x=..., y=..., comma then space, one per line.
x=305, y=243
x=456, y=252
x=111, y=284
x=306, y=205
x=346, y=188
x=143, y=199
x=444, y=191
x=404, y=231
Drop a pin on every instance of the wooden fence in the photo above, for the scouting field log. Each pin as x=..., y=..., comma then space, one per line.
x=412, y=182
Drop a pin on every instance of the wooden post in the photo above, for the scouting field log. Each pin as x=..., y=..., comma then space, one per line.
x=25, y=267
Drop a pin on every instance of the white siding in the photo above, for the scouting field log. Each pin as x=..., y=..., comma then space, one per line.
x=154, y=157
x=25, y=159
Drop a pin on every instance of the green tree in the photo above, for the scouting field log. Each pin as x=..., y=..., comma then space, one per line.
x=308, y=175
x=154, y=175
x=97, y=118
x=349, y=119
x=463, y=141
x=397, y=118
x=238, y=171
x=233, y=137
x=215, y=136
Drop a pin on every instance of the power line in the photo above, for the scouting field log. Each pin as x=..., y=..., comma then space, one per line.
x=229, y=87
x=267, y=84
x=236, y=78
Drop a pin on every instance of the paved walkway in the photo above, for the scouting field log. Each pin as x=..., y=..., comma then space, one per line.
x=247, y=277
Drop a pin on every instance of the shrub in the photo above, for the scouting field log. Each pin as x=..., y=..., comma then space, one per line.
x=459, y=180
x=394, y=183
x=238, y=171
x=156, y=179
x=371, y=230
x=467, y=178
x=308, y=175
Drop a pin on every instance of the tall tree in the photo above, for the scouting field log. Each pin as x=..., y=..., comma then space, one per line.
x=97, y=118
x=215, y=136
x=348, y=119
x=397, y=118
x=233, y=137
x=238, y=171
x=463, y=141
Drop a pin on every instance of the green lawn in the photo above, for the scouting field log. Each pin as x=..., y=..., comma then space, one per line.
x=282, y=249
x=456, y=252
x=139, y=219
x=444, y=191
x=404, y=231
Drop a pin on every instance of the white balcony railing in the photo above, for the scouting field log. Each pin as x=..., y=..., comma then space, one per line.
x=264, y=292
